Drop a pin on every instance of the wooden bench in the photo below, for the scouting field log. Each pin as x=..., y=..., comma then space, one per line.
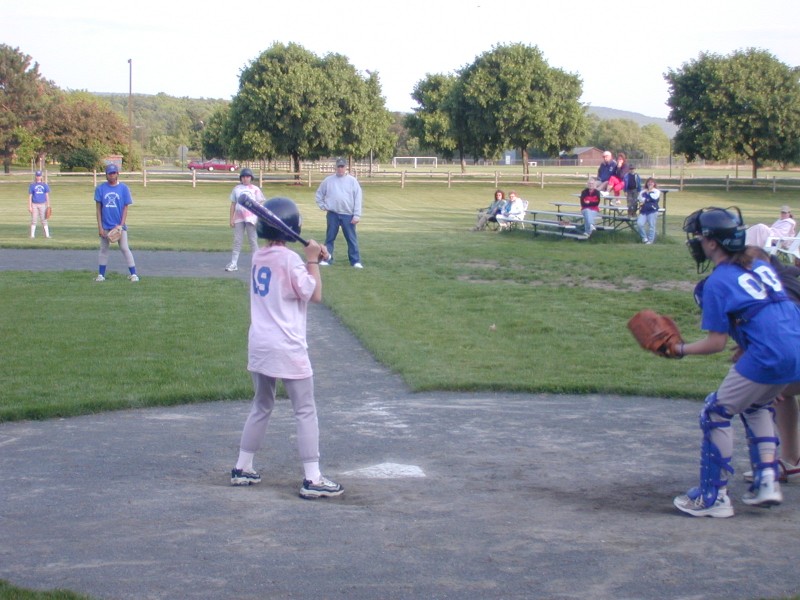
x=560, y=223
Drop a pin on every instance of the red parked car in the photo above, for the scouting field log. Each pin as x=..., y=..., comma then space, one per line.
x=215, y=164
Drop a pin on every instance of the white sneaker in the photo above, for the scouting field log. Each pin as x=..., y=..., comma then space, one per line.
x=721, y=509
x=324, y=263
x=324, y=489
x=232, y=267
x=133, y=278
x=99, y=278
x=358, y=266
x=768, y=492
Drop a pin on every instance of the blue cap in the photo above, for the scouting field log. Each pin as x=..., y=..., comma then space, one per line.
x=38, y=173
x=112, y=168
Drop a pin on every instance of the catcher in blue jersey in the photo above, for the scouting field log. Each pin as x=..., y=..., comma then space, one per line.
x=742, y=298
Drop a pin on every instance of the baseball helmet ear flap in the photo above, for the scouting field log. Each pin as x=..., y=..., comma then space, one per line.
x=286, y=210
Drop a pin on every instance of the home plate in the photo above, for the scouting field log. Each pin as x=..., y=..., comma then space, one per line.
x=387, y=471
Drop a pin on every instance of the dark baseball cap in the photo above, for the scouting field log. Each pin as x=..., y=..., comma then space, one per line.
x=340, y=162
x=111, y=168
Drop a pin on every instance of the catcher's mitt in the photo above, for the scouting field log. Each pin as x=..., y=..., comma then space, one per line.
x=656, y=333
x=48, y=212
x=115, y=234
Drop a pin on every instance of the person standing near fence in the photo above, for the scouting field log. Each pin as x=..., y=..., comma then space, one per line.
x=633, y=187
x=112, y=199
x=340, y=195
x=648, y=213
x=38, y=203
x=242, y=220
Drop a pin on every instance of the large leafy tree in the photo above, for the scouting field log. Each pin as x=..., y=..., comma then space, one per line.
x=283, y=95
x=363, y=119
x=514, y=98
x=745, y=104
x=76, y=121
x=432, y=121
x=23, y=97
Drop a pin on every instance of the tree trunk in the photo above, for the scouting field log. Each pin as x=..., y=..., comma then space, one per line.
x=525, y=166
x=463, y=161
x=754, y=161
x=296, y=167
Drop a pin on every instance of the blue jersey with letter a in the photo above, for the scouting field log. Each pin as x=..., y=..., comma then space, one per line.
x=752, y=307
x=113, y=199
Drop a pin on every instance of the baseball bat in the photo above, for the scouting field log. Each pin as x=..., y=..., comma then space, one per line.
x=262, y=212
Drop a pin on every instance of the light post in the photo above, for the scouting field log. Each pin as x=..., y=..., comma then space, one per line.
x=130, y=109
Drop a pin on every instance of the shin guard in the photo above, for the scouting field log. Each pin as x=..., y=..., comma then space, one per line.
x=755, y=455
x=714, y=467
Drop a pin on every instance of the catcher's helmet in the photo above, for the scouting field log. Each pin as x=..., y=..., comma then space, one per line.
x=245, y=173
x=286, y=210
x=723, y=225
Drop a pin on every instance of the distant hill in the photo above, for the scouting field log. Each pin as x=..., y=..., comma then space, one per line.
x=612, y=113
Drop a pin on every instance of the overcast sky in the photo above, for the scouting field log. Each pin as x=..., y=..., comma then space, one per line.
x=197, y=49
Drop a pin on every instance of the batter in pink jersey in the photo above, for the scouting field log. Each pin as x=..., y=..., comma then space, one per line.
x=281, y=286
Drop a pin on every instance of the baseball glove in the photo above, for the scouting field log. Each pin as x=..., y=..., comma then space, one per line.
x=115, y=234
x=48, y=212
x=656, y=333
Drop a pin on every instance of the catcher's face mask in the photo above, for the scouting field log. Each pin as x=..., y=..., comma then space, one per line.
x=695, y=245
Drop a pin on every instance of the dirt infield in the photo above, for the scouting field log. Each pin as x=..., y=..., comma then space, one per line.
x=448, y=495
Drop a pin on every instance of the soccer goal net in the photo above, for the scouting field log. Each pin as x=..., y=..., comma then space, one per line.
x=415, y=161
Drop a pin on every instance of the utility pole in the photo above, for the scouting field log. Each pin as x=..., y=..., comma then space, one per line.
x=130, y=110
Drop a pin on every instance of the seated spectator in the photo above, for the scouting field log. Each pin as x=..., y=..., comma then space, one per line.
x=590, y=205
x=648, y=213
x=784, y=227
x=489, y=214
x=605, y=171
x=514, y=210
x=633, y=187
x=616, y=182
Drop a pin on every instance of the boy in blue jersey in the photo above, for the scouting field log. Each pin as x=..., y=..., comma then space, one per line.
x=742, y=298
x=112, y=199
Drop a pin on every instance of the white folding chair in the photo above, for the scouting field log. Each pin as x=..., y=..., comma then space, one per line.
x=784, y=247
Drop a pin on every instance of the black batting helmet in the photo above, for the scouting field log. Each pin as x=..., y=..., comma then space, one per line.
x=245, y=173
x=286, y=210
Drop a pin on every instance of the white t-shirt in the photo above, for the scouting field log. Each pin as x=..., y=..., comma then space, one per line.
x=280, y=290
x=241, y=213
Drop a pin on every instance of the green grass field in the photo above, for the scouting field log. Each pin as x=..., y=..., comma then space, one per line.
x=423, y=305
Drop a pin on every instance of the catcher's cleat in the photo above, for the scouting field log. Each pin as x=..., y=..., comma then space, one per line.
x=133, y=278
x=242, y=477
x=99, y=278
x=324, y=489
x=721, y=508
x=766, y=495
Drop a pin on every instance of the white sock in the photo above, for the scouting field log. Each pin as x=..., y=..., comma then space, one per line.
x=768, y=476
x=312, y=472
x=46, y=231
x=245, y=462
x=33, y=230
